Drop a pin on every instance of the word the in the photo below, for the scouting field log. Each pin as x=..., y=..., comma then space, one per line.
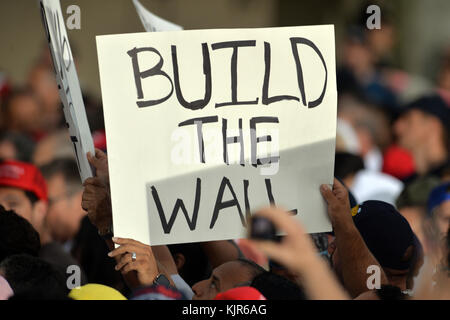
x=227, y=140
x=204, y=144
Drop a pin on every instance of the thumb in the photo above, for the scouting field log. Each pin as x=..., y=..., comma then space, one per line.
x=96, y=160
x=99, y=154
x=327, y=193
x=91, y=159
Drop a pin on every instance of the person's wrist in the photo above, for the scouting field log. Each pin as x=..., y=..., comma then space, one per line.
x=107, y=231
x=150, y=277
x=344, y=226
x=342, y=219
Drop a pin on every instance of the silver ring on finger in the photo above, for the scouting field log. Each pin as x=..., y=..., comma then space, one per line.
x=133, y=256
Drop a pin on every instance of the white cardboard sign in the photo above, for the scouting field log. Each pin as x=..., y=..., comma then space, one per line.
x=206, y=126
x=153, y=23
x=68, y=84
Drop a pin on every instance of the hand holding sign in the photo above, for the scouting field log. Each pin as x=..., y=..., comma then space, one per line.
x=137, y=263
x=99, y=161
x=338, y=204
x=96, y=201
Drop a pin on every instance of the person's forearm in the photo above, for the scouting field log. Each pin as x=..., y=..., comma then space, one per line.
x=163, y=256
x=354, y=259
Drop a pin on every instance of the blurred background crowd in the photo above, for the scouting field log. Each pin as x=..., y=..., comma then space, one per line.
x=393, y=126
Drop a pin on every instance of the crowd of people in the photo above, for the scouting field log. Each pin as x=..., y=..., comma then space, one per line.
x=389, y=205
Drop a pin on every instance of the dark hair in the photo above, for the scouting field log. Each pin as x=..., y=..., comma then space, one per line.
x=31, y=196
x=389, y=292
x=22, y=143
x=196, y=266
x=68, y=168
x=17, y=92
x=33, y=278
x=347, y=164
x=276, y=287
x=17, y=235
x=254, y=268
x=94, y=113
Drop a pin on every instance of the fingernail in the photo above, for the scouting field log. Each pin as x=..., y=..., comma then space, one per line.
x=114, y=239
x=110, y=253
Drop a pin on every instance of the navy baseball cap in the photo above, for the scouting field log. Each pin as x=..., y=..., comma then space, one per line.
x=438, y=195
x=386, y=233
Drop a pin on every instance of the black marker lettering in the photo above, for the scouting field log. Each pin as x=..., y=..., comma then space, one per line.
x=255, y=140
x=247, y=203
x=199, y=123
x=154, y=71
x=234, y=62
x=301, y=85
x=197, y=104
x=230, y=140
x=272, y=199
x=265, y=94
x=179, y=204
x=226, y=204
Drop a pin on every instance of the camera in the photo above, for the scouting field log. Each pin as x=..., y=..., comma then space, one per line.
x=262, y=229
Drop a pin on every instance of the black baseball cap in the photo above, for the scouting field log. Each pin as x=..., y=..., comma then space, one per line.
x=432, y=104
x=386, y=233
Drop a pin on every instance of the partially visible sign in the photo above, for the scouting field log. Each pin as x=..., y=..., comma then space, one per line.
x=153, y=23
x=68, y=84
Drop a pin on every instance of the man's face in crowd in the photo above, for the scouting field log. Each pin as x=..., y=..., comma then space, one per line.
x=396, y=277
x=43, y=83
x=23, y=112
x=412, y=129
x=223, y=278
x=16, y=199
x=7, y=150
x=62, y=218
x=442, y=218
x=415, y=215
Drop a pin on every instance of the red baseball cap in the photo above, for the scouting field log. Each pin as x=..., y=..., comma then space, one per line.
x=240, y=293
x=24, y=176
x=398, y=162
